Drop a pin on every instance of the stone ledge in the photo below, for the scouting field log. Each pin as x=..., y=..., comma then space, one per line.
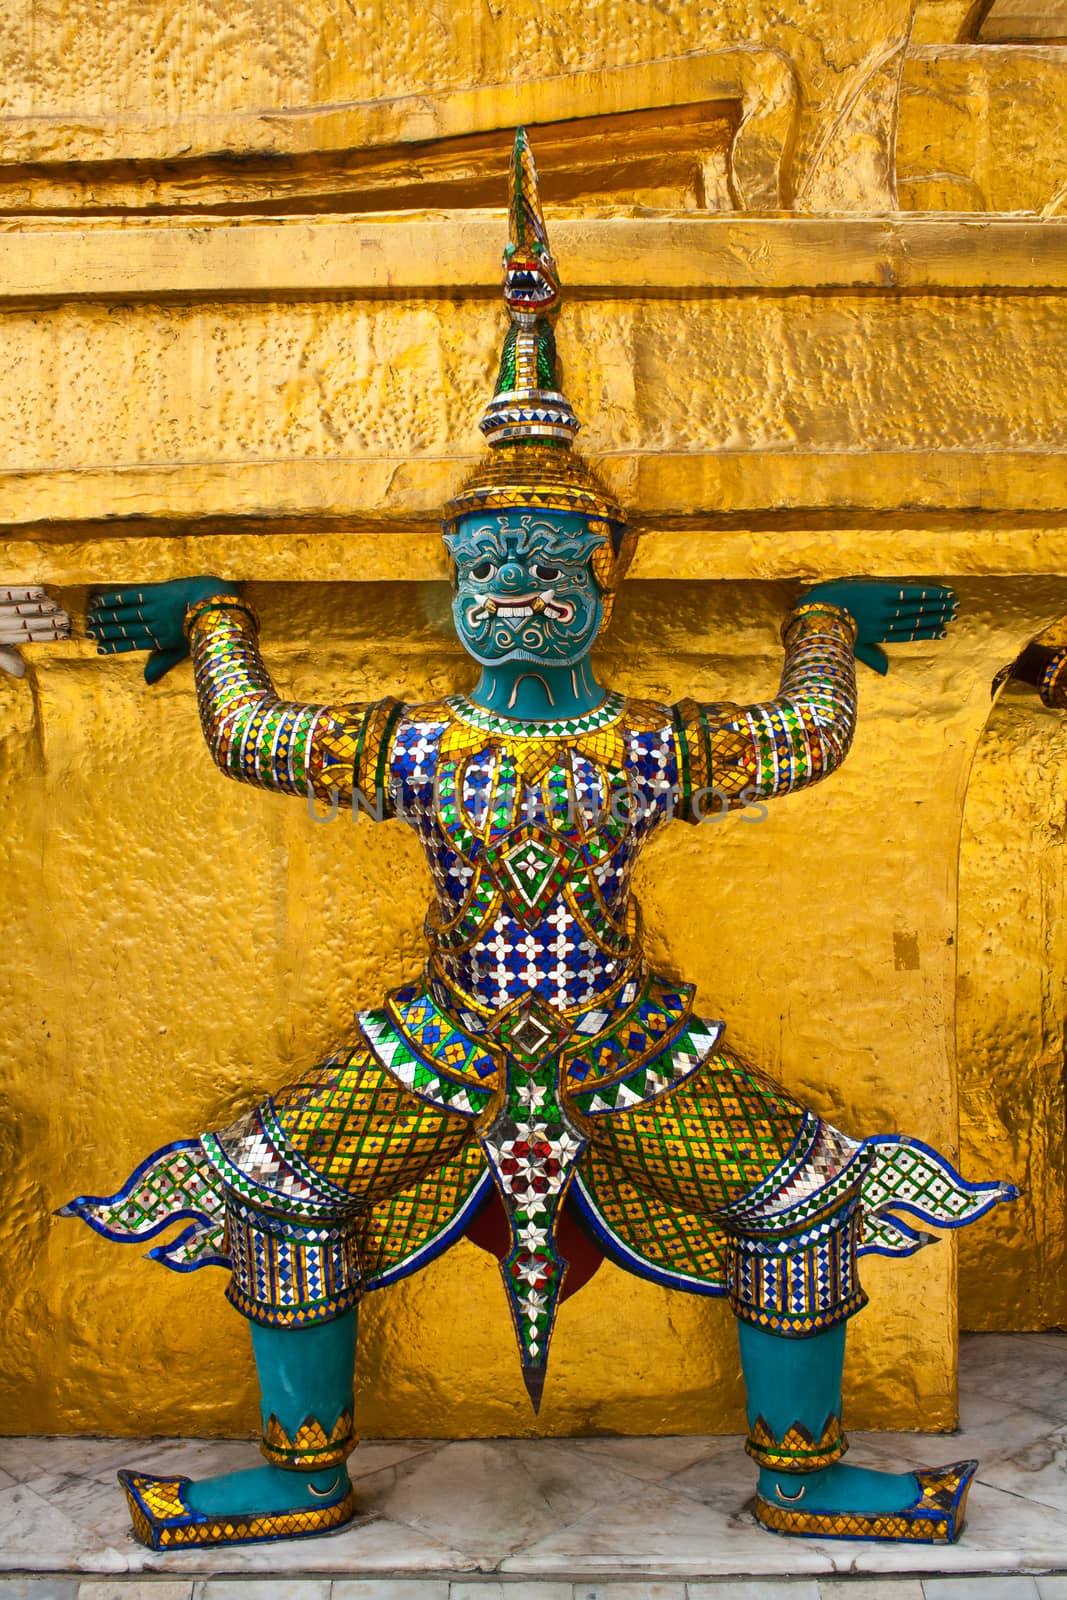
x=459, y=251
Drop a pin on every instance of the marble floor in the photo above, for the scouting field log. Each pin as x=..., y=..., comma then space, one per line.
x=569, y=1519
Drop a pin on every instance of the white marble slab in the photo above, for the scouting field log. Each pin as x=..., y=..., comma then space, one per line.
x=492, y=1498
x=133, y=1589
x=871, y=1589
x=665, y=1531
x=1025, y=1370
x=263, y=1589
x=388, y=1589
x=1006, y=1588
x=755, y=1590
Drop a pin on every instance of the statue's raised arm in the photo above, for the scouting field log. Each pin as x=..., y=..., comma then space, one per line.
x=253, y=735
x=733, y=755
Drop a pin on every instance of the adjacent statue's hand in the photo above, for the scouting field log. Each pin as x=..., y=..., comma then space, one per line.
x=28, y=616
x=887, y=613
x=148, y=617
x=1029, y=667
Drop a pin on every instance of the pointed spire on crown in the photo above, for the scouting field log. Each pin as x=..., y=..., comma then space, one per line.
x=528, y=405
x=529, y=424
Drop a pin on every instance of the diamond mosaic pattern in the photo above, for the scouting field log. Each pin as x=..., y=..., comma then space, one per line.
x=709, y=1142
x=354, y=1122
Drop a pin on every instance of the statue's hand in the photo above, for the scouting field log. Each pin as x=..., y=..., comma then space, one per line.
x=887, y=613
x=148, y=617
x=1029, y=667
x=28, y=616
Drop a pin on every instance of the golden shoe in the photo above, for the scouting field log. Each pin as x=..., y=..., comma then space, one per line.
x=163, y=1520
x=934, y=1517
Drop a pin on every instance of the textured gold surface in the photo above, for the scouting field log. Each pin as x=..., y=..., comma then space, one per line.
x=984, y=129
x=243, y=77
x=1012, y=1011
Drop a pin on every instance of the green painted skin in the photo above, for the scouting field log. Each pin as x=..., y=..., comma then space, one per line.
x=302, y=1372
x=309, y=1370
x=148, y=617
x=799, y=1380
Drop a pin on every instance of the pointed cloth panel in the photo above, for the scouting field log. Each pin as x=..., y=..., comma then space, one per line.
x=907, y=1175
x=174, y=1183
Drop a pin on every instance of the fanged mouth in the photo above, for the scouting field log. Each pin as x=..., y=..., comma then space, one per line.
x=516, y=606
x=527, y=285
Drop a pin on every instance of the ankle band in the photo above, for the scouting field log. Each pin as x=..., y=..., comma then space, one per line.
x=311, y=1447
x=798, y=1450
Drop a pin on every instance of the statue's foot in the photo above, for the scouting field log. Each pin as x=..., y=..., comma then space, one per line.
x=843, y=1502
x=239, y=1507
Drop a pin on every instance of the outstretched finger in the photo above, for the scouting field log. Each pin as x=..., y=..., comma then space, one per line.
x=928, y=593
x=918, y=619
x=18, y=595
x=911, y=636
x=99, y=598
x=28, y=631
x=932, y=606
x=136, y=636
x=118, y=647
x=134, y=611
x=29, y=608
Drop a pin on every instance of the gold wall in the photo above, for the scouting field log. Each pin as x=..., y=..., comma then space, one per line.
x=249, y=299
x=1012, y=1011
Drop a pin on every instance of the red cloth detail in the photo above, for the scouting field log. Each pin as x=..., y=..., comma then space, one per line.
x=489, y=1231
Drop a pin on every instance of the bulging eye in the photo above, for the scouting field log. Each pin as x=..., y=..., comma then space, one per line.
x=483, y=571
x=545, y=573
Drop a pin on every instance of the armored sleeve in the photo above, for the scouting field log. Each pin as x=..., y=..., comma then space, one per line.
x=275, y=744
x=737, y=754
x=1053, y=687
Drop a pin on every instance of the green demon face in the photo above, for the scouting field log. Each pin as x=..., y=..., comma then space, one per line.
x=524, y=588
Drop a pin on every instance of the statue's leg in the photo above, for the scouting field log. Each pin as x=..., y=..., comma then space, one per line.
x=296, y=1281
x=793, y=1386
x=728, y=1183
x=305, y=1397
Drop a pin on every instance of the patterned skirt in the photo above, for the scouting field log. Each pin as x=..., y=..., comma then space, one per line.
x=347, y=1180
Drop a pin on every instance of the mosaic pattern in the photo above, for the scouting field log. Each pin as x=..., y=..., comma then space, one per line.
x=906, y=1175
x=532, y=1146
x=354, y=1123
x=936, y=1517
x=289, y=1274
x=797, y=1450
x=744, y=753
x=798, y=1285
x=403, y=1233
x=706, y=1144
x=163, y=1520
x=311, y=1447
x=174, y=1184
x=1053, y=686
x=258, y=738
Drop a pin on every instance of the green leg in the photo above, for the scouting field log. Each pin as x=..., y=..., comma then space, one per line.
x=305, y=1383
x=793, y=1389
x=305, y=1375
